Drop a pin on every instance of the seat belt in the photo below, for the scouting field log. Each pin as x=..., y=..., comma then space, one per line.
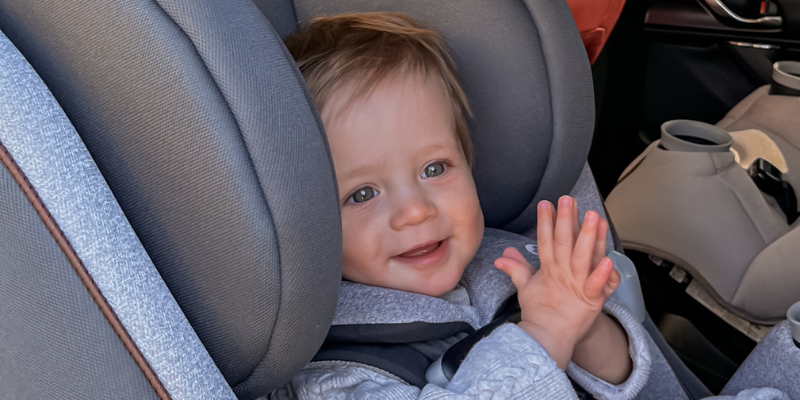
x=768, y=179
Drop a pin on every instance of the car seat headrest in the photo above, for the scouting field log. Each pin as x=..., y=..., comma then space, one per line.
x=527, y=77
x=202, y=128
x=204, y=131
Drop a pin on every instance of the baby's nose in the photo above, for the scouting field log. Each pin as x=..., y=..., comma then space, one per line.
x=413, y=210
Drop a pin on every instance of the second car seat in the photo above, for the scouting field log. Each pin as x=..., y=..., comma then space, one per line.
x=698, y=208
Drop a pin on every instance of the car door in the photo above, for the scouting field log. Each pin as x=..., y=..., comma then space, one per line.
x=683, y=59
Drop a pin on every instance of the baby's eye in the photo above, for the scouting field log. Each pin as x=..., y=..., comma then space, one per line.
x=363, y=194
x=432, y=170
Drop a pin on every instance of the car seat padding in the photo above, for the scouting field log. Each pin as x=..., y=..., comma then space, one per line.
x=202, y=128
x=80, y=269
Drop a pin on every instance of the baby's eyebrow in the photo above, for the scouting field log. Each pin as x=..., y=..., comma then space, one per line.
x=432, y=148
x=362, y=170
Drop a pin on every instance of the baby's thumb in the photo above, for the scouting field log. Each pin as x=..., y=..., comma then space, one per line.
x=518, y=272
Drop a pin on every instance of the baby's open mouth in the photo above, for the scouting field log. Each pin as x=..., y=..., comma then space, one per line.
x=421, y=250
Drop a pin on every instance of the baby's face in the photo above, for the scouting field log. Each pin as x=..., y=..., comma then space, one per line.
x=410, y=213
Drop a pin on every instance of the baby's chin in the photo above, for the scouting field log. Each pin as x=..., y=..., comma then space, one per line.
x=443, y=285
x=440, y=293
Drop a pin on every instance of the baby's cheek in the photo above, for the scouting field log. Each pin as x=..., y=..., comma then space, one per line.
x=473, y=218
x=361, y=247
x=356, y=268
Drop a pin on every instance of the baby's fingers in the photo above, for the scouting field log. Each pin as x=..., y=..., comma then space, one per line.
x=595, y=285
x=576, y=222
x=563, y=237
x=583, y=253
x=517, y=271
x=514, y=254
x=544, y=233
x=600, y=242
x=613, y=283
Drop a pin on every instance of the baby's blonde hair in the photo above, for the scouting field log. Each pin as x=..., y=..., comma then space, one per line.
x=363, y=49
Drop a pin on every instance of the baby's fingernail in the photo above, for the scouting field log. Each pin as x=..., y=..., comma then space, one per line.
x=564, y=201
x=543, y=205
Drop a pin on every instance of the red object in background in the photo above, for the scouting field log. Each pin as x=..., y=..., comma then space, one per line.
x=595, y=20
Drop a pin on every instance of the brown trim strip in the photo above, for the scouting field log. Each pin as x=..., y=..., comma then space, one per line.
x=87, y=280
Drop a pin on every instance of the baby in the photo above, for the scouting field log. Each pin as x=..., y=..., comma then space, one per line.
x=421, y=272
x=413, y=233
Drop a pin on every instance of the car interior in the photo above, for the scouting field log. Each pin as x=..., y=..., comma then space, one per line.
x=715, y=252
x=169, y=222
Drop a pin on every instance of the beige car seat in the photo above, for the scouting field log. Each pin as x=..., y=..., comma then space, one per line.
x=687, y=200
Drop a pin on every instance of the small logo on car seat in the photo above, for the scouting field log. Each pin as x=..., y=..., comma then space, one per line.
x=532, y=249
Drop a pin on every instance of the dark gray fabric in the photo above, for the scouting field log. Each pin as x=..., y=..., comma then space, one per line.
x=400, y=360
x=54, y=341
x=528, y=82
x=571, y=100
x=677, y=373
x=395, y=333
x=662, y=383
x=204, y=132
x=775, y=362
x=280, y=14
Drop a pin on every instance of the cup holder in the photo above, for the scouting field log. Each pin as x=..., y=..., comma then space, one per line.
x=694, y=136
x=793, y=315
x=785, y=78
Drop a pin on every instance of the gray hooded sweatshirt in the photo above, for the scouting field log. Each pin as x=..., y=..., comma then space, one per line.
x=507, y=364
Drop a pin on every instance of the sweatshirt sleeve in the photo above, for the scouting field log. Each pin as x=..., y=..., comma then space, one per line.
x=640, y=355
x=507, y=364
x=754, y=394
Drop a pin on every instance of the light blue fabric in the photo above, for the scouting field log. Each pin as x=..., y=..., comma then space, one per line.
x=47, y=149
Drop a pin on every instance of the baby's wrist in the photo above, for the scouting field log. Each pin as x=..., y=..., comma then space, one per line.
x=603, y=351
x=592, y=333
x=558, y=347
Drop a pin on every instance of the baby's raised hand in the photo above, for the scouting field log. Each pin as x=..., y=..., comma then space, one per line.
x=561, y=302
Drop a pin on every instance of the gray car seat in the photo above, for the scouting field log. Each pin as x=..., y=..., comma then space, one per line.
x=80, y=297
x=201, y=128
x=199, y=124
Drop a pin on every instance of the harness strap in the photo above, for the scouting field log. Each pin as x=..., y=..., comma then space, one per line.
x=401, y=360
x=384, y=346
x=395, y=333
